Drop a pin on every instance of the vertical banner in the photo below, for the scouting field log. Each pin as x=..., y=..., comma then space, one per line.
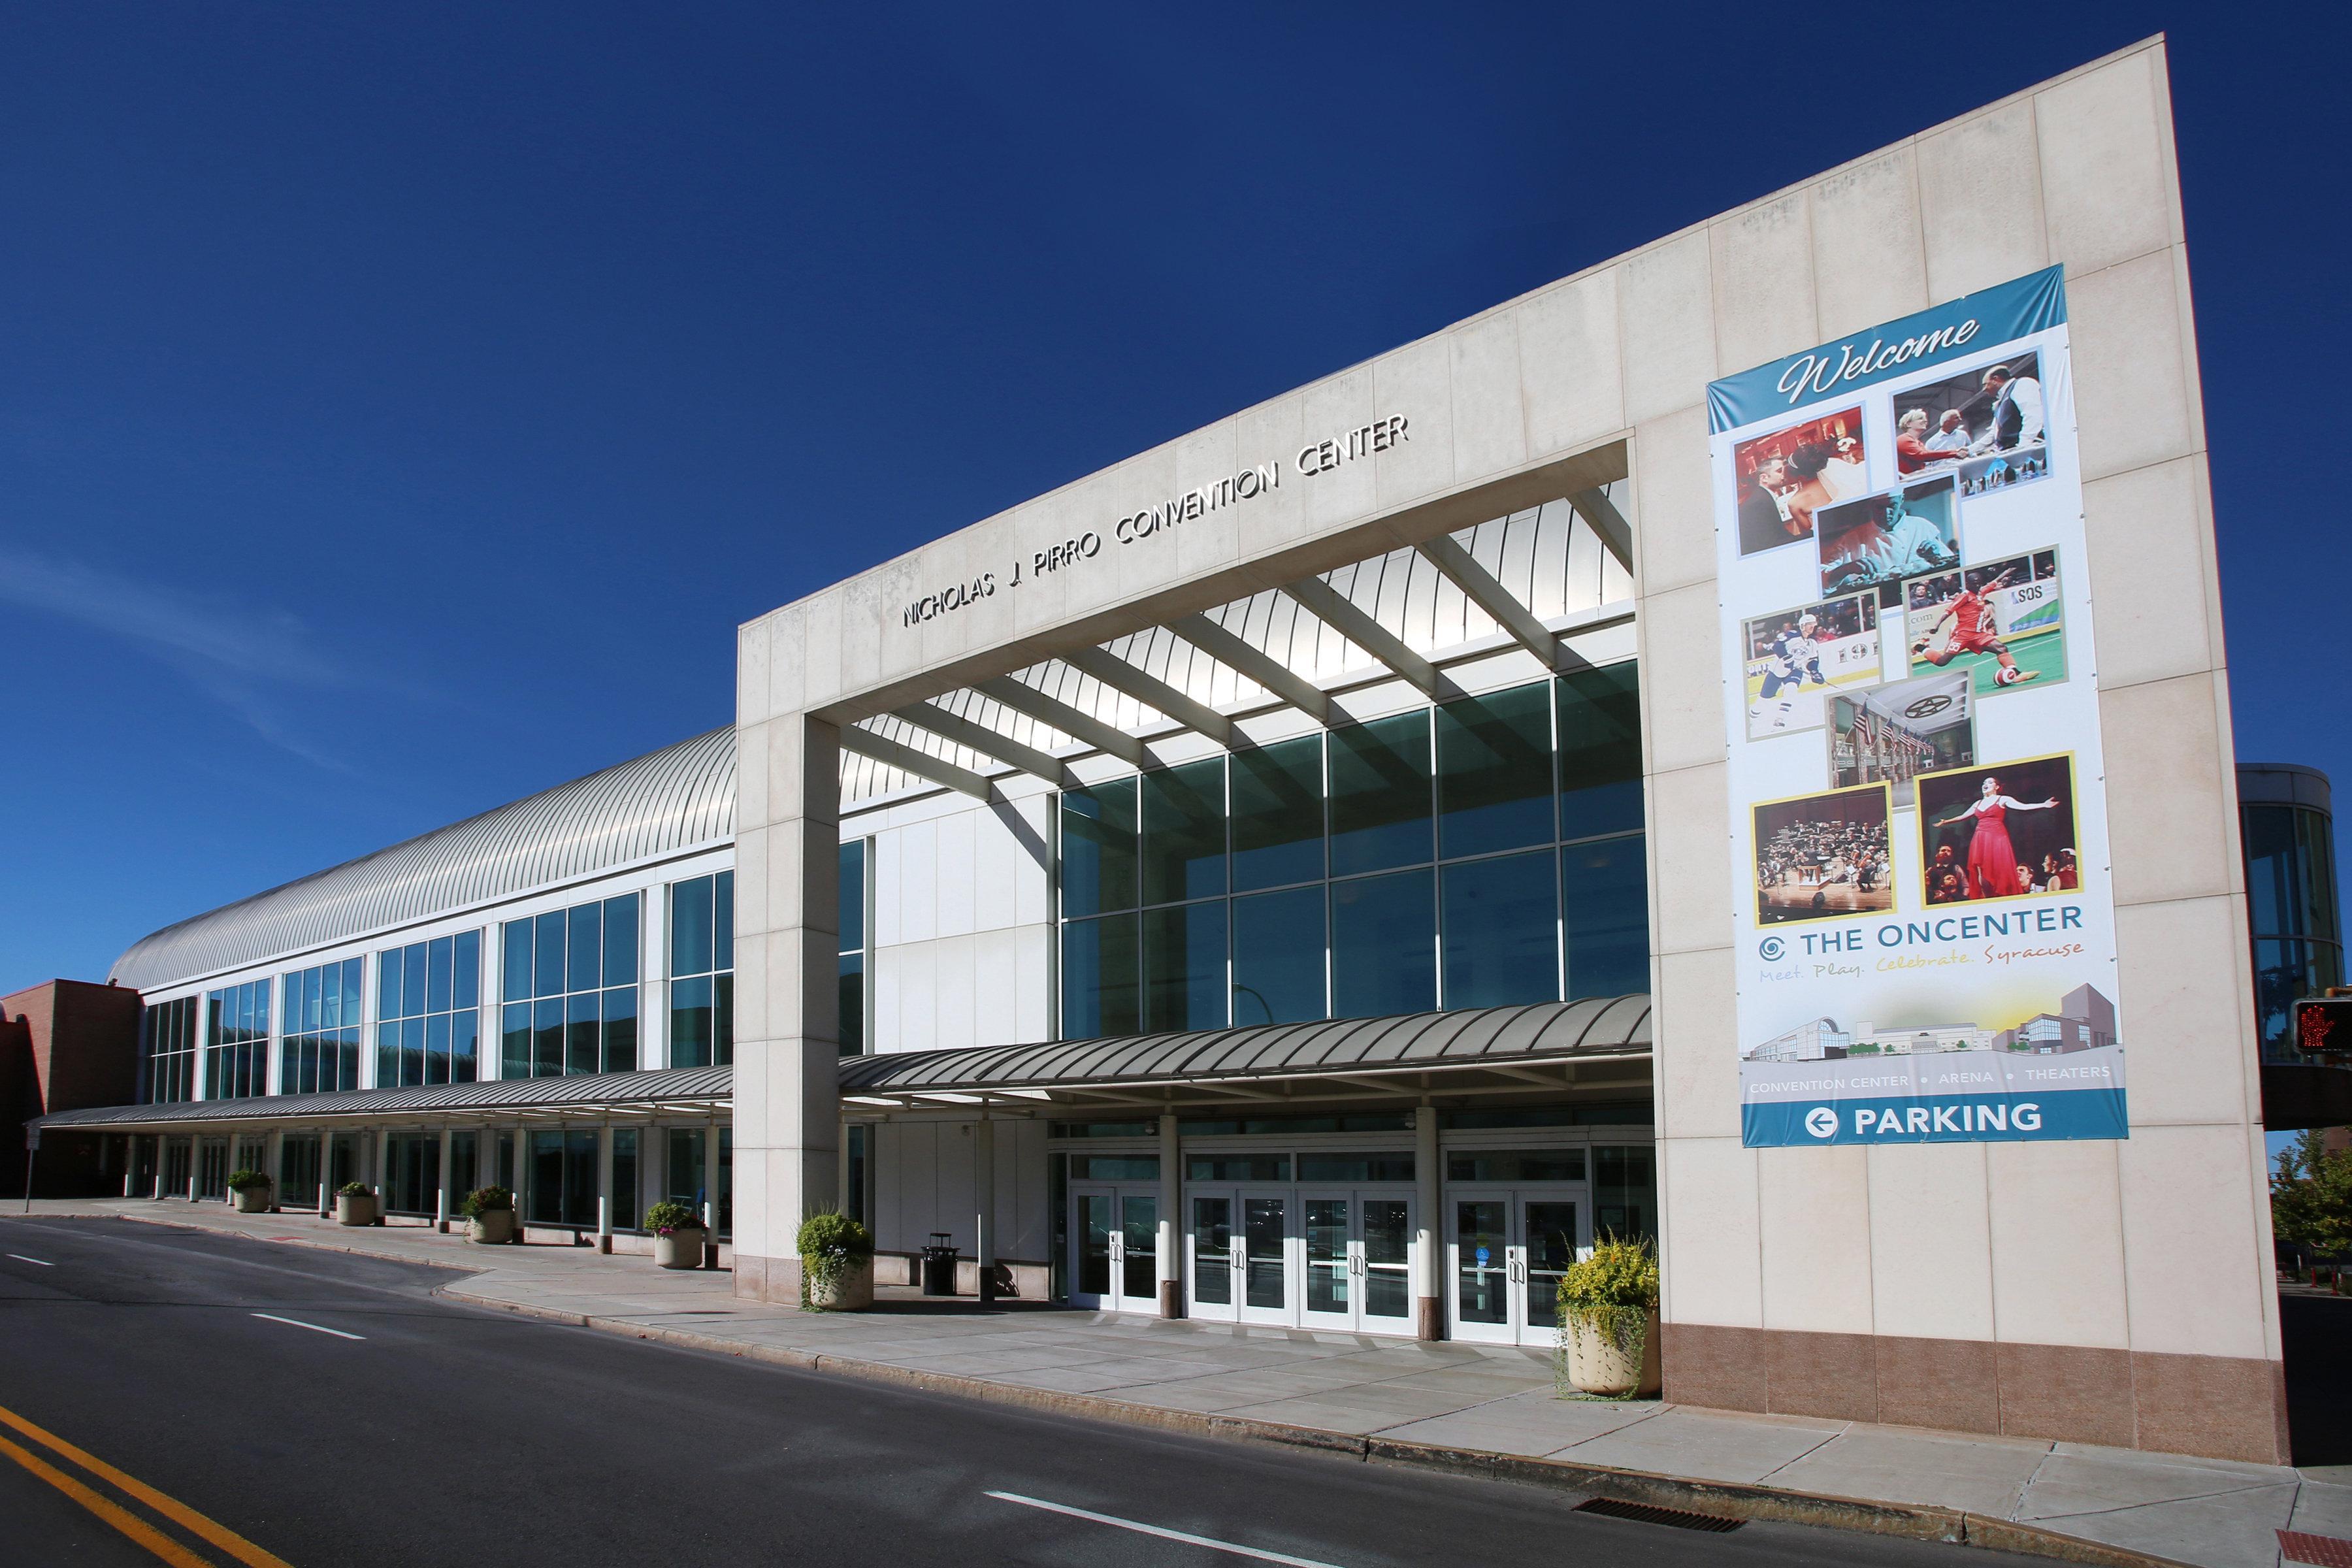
x=1925, y=925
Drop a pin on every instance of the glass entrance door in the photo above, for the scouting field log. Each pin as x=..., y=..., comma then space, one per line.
x=1266, y=1290
x=1357, y=1259
x=212, y=1168
x=1212, y=1264
x=1506, y=1250
x=1114, y=1238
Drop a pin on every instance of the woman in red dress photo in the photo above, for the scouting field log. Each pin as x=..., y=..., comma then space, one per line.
x=1993, y=863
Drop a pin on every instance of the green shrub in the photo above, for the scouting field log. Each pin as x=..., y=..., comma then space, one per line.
x=1612, y=1290
x=246, y=1181
x=352, y=1190
x=830, y=1244
x=668, y=1217
x=485, y=1200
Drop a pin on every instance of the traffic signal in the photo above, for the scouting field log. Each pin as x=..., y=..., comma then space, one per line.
x=2324, y=1024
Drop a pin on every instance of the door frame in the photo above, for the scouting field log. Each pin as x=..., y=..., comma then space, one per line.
x=1119, y=1193
x=1515, y=1329
x=1354, y=1261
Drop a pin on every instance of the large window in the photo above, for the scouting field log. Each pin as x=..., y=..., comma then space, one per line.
x=319, y=1038
x=428, y=1010
x=853, y=947
x=1485, y=852
x=569, y=982
x=236, y=1041
x=171, y=1073
x=702, y=971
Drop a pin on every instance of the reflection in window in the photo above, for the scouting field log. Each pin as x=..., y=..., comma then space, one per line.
x=1501, y=932
x=1098, y=849
x=1278, y=815
x=236, y=1041
x=1278, y=945
x=1380, y=795
x=852, y=971
x=1494, y=773
x=1185, y=966
x=1184, y=831
x=1098, y=978
x=318, y=1044
x=1605, y=912
x=702, y=971
x=1383, y=945
x=570, y=991
x=428, y=1012
x=170, y=1049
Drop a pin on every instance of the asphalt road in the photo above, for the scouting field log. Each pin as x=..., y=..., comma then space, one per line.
x=445, y=1434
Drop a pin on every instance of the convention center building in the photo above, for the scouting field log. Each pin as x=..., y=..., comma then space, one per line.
x=1638, y=762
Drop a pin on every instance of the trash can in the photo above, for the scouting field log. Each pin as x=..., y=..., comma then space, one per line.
x=940, y=1265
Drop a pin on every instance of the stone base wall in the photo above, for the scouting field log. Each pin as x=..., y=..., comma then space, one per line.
x=2213, y=1406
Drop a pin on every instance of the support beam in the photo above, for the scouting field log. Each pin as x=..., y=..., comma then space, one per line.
x=983, y=1192
x=1336, y=610
x=906, y=759
x=1150, y=689
x=988, y=742
x=1462, y=569
x=1429, y=1282
x=1165, y=1240
x=441, y=1205
x=604, y=1187
x=1075, y=723
x=1275, y=677
x=1616, y=536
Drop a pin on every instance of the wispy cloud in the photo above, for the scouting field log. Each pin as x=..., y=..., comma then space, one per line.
x=238, y=653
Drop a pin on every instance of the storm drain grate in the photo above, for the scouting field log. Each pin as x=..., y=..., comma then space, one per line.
x=1645, y=1513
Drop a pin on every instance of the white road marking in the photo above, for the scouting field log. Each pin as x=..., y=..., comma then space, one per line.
x=314, y=1328
x=1114, y=1519
x=42, y=1261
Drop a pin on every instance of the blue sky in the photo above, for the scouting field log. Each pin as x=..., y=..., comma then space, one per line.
x=400, y=407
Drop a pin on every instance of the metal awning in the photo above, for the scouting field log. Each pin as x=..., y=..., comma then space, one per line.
x=1550, y=1045
x=630, y=1096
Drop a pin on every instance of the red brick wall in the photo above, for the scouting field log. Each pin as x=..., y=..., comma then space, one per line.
x=65, y=1046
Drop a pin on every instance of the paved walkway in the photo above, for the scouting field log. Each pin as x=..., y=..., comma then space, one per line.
x=1366, y=1394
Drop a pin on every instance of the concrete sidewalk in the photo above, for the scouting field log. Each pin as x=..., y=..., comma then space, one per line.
x=1463, y=1406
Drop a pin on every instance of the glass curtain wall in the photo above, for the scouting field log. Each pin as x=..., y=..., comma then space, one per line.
x=568, y=985
x=1484, y=852
x=702, y=971
x=236, y=1039
x=171, y=1074
x=319, y=1038
x=428, y=1010
x=2291, y=909
x=853, y=947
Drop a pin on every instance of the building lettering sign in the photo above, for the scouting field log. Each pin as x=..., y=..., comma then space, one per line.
x=1315, y=458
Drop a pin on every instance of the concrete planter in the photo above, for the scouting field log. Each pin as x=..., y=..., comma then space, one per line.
x=492, y=1228
x=680, y=1248
x=853, y=1292
x=355, y=1208
x=1597, y=1366
x=252, y=1200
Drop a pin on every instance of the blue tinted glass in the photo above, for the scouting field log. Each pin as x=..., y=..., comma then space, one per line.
x=621, y=1029
x=1098, y=977
x=514, y=1040
x=1098, y=849
x=468, y=986
x=723, y=1024
x=723, y=920
x=1599, y=752
x=514, y=964
x=852, y=999
x=1605, y=906
x=388, y=984
x=1278, y=814
x=1380, y=795
x=1184, y=831
x=547, y=1037
x=1383, y=946
x=853, y=900
x=585, y=968
x=690, y=927
x=465, y=1029
x=621, y=944
x=1494, y=771
x=1278, y=956
x=440, y=974
x=689, y=1023
x=1500, y=922
x=580, y=1051
x=387, y=1055
x=1185, y=966
x=547, y=963
x=412, y=981
x=412, y=1051
x=436, y=1048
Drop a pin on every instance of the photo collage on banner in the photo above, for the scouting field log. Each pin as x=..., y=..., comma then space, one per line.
x=1925, y=929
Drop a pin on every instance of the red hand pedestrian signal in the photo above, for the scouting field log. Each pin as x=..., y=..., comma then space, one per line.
x=2324, y=1024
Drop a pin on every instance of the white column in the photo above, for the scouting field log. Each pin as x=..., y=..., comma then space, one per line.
x=326, y=1171
x=492, y=1048
x=129, y=1163
x=521, y=1170
x=652, y=978
x=983, y=1193
x=273, y=1163
x=710, y=1179
x=1172, y=1188
x=1427, y=1175
x=195, y=1164
x=382, y=1167
x=604, y=1188
x=162, y=1146
x=441, y=1197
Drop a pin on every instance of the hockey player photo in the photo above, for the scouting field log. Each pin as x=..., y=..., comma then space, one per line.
x=2000, y=621
x=1797, y=656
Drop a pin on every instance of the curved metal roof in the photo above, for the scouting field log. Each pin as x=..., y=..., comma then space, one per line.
x=1546, y=1029
x=678, y=798
x=662, y=1086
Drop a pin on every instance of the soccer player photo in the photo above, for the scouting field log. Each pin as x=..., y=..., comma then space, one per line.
x=1895, y=732
x=1986, y=422
x=1785, y=478
x=1882, y=538
x=1822, y=855
x=1795, y=658
x=2000, y=621
x=2002, y=832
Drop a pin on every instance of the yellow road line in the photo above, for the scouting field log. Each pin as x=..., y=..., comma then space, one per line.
x=113, y=1513
x=178, y=1512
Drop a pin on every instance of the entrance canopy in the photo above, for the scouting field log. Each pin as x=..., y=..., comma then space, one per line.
x=588, y=1096
x=1548, y=1047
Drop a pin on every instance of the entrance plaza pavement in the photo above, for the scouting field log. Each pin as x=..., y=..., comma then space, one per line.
x=1363, y=1395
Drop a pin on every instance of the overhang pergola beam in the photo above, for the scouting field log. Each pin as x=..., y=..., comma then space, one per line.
x=988, y=742
x=1275, y=677
x=1462, y=569
x=906, y=759
x=1153, y=692
x=1075, y=723
x=1606, y=522
x=1336, y=610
